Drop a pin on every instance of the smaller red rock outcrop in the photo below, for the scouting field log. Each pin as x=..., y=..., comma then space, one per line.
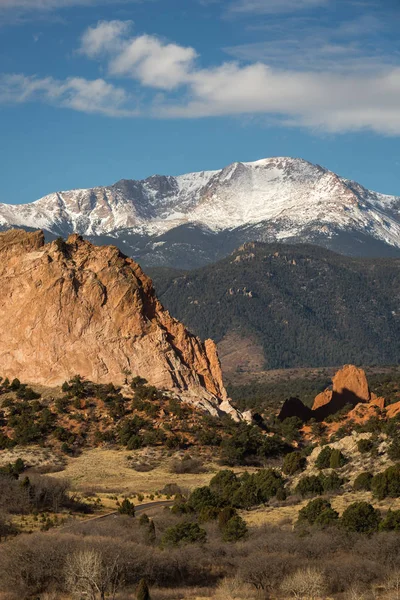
x=349, y=387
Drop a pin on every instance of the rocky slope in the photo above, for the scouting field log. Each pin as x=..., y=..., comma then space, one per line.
x=71, y=307
x=193, y=219
x=271, y=306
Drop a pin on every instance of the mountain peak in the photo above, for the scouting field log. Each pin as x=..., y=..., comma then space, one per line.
x=277, y=198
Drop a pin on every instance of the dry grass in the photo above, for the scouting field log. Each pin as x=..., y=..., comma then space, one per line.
x=109, y=471
x=33, y=456
x=286, y=515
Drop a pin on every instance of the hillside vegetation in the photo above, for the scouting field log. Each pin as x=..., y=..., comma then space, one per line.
x=299, y=305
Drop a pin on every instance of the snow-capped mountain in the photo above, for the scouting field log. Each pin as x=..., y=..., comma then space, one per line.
x=196, y=218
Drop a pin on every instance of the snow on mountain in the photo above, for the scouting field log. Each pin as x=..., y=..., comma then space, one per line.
x=284, y=197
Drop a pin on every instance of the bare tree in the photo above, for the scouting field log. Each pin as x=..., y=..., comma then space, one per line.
x=304, y=584
x=88, y=574
x=392, y=585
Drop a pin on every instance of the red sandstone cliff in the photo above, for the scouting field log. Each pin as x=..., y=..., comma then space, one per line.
x=72, y=307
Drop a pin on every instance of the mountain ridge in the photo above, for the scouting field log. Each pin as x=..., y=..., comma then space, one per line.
x=275, y=199
x=272, y=306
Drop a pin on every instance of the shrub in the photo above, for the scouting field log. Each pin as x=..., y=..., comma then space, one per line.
x=290, y=428
x=391, y=522
x=387, y=483
x=187, y=465
x=15, y=385
x=394, y=449
x=202, y=498
x=337, y=459
x=142, y=592
x=310, y=486
x=225, y=515
x=304, y=583
x=363, y=481
x=318, y=512
x=323, y=458
x=361, y=517
x=331, y=482
x=127, y=508
x=224, y=484
x=293, y=463
x=183, y=533
x=365, y=446
x=234, y=530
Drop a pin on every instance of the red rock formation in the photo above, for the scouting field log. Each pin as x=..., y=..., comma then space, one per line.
x=353, y=380
x=349, y=387
x=323, y=398
x=71, y=307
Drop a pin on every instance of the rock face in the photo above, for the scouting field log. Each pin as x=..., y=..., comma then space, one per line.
x=352, y=380
x=72, y=307
x=322, y=399
x=349, y=387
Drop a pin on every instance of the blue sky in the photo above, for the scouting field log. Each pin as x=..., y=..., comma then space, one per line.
x=92, y=91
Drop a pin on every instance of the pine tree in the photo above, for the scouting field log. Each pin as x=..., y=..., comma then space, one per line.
x=143, y=591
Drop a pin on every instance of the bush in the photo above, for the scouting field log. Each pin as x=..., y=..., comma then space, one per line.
x=304, y=583
x=394, y=449
x=318, y=512
x=387, y=483
x=363, y=481
x=184, y=533
x=331, y=482
x=187, y=465
x=234, y=530
x=365, y=446
x=310, y=486
x=391, y=522
x=361, y=517
x=142, y=592
x=337, y=459
x=323, y=458
x=293, y=463
x=202, y=498
x=127, y=508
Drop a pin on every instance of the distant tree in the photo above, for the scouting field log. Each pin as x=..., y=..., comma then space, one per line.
x=391, y=522
x=318, y=512
x=361, y=517
x=365, y=445
x=234, y=530
x=324, y=458
x=293, y=463
x=183, y=533
x=304, y=584
x=310, y=486
x=337, y=459
x=127, y=508
x=89, y=575
x=363, y=481
x=142, y=592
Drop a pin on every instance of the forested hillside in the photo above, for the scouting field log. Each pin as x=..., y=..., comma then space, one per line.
x=296, y=305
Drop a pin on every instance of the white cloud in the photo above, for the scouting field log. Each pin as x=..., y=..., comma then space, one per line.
x=43, y=5
x=96, y=96
x=274, y=6
x=326, y=101
x=147, y=58
x=106, y=36
x=154, y=63
x=331, y=100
